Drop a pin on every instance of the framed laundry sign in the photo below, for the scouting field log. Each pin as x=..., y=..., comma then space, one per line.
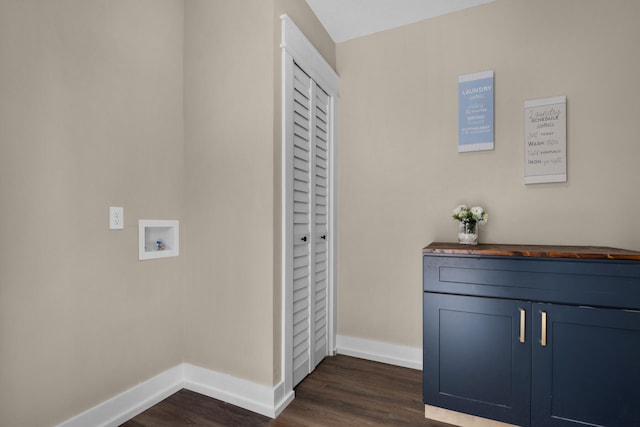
x=475, y=112
x=545, y=138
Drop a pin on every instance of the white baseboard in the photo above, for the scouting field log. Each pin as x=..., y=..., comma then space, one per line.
x=120, y=408
x=393, y=354
x=268, y=401
x=264, y=400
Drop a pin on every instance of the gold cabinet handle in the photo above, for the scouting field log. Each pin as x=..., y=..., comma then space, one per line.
x=522, y=324
x=543, y=333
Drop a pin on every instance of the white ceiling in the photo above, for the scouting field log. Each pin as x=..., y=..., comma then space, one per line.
x=348, y=19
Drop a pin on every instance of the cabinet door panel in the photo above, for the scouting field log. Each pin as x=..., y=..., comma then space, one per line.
x=589, y=371
x=473, y=359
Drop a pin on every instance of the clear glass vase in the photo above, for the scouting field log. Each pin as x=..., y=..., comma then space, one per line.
x=468, y=233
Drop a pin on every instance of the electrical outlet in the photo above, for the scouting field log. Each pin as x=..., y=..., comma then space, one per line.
x=116, y=218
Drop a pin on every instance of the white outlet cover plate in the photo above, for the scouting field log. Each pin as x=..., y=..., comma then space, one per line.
x=116, y=218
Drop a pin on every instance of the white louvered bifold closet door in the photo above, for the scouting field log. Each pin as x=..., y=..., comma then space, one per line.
x=301, y=223
x=321, y=223
x=310, y=224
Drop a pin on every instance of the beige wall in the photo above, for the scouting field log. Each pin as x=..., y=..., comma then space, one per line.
x=399, y=171
x=232, y=136
x=229, y=192
x=90, y=116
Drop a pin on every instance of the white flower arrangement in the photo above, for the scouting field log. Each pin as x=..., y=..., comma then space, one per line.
x=470, y=216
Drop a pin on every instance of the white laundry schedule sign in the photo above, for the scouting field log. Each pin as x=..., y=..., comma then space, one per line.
x=545, y=135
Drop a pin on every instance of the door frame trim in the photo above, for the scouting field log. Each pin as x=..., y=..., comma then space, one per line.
x=296, y=47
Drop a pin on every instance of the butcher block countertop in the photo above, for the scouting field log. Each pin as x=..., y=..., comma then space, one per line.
x=540, y=251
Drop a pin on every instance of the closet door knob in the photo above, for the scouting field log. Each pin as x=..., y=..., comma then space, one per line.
x=323, y=237
x=304, y=238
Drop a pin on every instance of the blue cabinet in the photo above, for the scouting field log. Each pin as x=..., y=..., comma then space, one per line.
x=474, y=361
x=588, y=373
x=533, y=339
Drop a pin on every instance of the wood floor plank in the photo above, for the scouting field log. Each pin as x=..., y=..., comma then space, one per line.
x=342, y=391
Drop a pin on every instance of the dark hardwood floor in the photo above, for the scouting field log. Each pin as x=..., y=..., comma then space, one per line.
x=342, y=391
